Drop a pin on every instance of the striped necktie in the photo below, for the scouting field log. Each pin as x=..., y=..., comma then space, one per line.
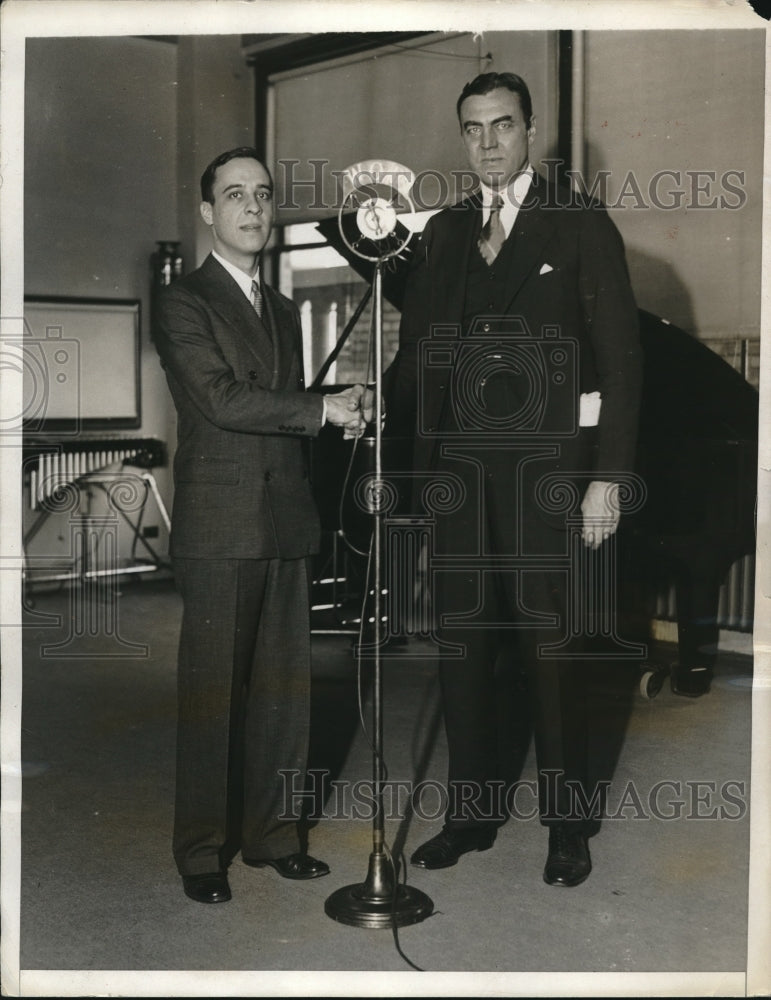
x=257, y=297
x=493, y=233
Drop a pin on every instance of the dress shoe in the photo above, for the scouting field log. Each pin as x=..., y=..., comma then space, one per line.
x=211, y=888
x=298, y=866
x=568, y=862
x=692, y=683
x=443, y=850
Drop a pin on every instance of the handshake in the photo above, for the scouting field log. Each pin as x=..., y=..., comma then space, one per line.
x=352, y=409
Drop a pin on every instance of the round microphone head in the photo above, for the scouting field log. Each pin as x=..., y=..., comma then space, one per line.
x=376, y=219
x=375, y=192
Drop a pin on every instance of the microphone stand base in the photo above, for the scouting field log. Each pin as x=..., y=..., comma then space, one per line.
x=378, y=904
x=351, y=906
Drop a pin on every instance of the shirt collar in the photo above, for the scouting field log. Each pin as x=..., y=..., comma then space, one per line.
x=243, y=279
x=515, y=191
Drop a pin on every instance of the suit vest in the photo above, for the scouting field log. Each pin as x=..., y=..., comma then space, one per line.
x=486, y=285
x=486, y=294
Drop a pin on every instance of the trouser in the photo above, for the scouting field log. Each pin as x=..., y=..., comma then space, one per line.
x=500, y=613
x=243, y=689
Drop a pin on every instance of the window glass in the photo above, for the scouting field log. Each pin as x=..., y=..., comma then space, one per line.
x=328, y=292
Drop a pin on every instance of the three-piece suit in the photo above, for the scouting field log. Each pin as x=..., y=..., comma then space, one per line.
x=498, y=364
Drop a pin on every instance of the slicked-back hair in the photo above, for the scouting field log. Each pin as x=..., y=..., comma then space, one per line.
x=239, y=153
x=485, y=83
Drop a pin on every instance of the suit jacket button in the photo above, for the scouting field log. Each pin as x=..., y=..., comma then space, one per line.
x=252, y=374
x=267, y=477
x=486, y=328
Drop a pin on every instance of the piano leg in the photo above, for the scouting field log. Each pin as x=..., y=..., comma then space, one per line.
x=697, y=633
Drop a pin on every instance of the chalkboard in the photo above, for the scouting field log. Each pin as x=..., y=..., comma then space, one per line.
x=81, y=364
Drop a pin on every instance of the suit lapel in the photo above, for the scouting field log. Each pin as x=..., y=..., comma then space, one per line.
x=227, y=299
x=533, y=227
x=286, y=345
x=450, y=293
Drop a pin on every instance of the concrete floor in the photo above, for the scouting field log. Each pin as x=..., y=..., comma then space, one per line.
x=100, y=893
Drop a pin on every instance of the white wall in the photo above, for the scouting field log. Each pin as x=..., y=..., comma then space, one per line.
x=100, y=143
x=117, y=133
x=684, y=101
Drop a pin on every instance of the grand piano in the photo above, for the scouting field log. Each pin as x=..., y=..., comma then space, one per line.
x=697, y=453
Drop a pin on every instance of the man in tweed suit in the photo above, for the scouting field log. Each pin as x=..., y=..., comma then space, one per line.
x=244, y=525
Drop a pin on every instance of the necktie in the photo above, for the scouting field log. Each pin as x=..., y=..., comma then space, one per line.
x=257, y=297
x=257, y=303
x=493, y=233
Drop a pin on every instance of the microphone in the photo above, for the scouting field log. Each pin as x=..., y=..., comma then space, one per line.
x=376, y=191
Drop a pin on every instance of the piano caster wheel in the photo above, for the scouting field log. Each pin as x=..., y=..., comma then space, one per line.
x=651, y=682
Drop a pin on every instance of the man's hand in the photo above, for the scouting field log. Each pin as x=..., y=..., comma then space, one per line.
x=601, y=512
x=344, y=410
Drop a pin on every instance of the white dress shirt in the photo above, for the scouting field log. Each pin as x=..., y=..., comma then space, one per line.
x=242, y=279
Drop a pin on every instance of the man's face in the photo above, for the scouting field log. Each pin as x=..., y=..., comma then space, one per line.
x=494, y=133
x=242, y=214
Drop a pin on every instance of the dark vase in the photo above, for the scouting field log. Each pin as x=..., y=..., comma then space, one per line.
x=167, y=263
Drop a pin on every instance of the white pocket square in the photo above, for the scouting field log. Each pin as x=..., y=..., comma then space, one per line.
x=545, y=269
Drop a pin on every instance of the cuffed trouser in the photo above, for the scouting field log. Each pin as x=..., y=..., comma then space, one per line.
x=518, y=611
x=243, y=709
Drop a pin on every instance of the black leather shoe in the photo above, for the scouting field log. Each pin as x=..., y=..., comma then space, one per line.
x=443, y=850
x=211, y=888
x=568, y=862
x=297, y=866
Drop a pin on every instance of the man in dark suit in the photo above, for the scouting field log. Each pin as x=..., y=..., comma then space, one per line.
x=244, y=525
x=519, y=350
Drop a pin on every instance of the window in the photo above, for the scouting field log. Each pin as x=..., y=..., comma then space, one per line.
x=328, y=292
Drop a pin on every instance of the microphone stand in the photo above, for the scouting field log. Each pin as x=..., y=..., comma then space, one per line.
x=378, y=902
